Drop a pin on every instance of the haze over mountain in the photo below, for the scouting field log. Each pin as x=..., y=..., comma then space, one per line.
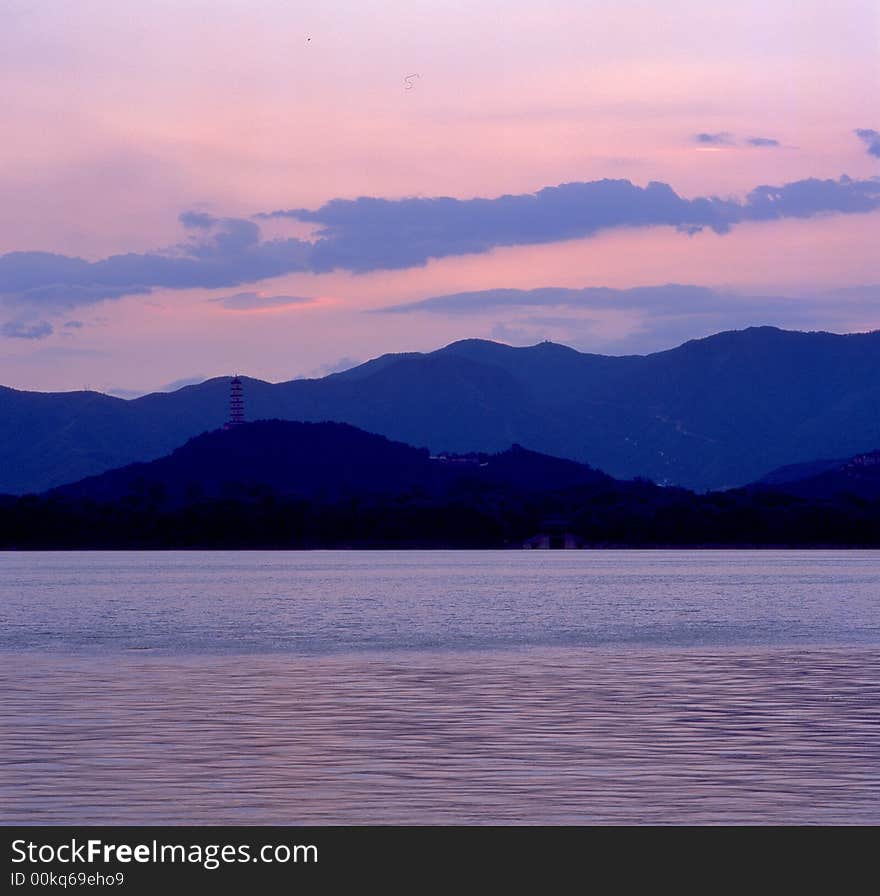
x=712, y=413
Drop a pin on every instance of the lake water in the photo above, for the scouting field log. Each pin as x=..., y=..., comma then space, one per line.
x=440, y=687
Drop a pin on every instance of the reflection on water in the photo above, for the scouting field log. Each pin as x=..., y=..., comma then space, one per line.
x=542, y=735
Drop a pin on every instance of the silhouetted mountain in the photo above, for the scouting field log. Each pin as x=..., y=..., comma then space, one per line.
x=282, y=484
x=796, y=472
x=324, y=462
x=712, y=413
x=858, y=477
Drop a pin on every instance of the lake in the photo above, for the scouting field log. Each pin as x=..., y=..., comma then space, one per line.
x=440, y=687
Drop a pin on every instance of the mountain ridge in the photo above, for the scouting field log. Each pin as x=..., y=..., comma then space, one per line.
x=711, y=413
x=854, y=477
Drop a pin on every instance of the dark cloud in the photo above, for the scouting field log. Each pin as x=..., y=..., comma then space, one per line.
x=370, y=234
x=871, y=139
x=74, y=325
x=669, y=298
x=16, y=329
x=60, y=297
x=762, y=141
x=722, y=138
x=222, y=252
x=245, y=301
x=196, y=220
x=811, y=197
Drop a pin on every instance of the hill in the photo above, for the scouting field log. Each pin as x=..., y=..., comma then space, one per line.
x=283, y=484
x=713, y=413
x=323, y=462
x=856, y=478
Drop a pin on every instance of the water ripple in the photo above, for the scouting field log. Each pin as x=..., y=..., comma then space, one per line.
x=543, y=735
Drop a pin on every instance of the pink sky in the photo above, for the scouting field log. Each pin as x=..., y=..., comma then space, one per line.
x=121, y=115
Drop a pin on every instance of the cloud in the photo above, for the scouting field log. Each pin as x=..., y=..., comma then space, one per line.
x=197, y=220
x=64, y=297
x=369, y=234
x=762, y=141
x=525, y=335
x=722, y=138
x=221, y=252
x=74, y=325
x=642, y=319
x=248, y=301
x=16, y=329
x=871, y=139
x=339, y=366
x=670, y=298
x=174, y=385
x=127, y=394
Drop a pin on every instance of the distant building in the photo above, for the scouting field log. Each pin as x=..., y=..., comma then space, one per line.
x=236, y=402
x=474, y=459
x=554, y=535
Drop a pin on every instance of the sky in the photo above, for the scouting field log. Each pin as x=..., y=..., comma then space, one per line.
x=201, y=187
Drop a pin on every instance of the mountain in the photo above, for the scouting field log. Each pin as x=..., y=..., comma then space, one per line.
x=280, y=483
x=286, y=484
x=324, y=462
x=796, y=472
x=713, y=413
x=857, y=477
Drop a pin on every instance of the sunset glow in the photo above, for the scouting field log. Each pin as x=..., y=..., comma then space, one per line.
x=231, y=110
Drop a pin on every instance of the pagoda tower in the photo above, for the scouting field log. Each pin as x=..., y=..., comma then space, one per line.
x=236, y=402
